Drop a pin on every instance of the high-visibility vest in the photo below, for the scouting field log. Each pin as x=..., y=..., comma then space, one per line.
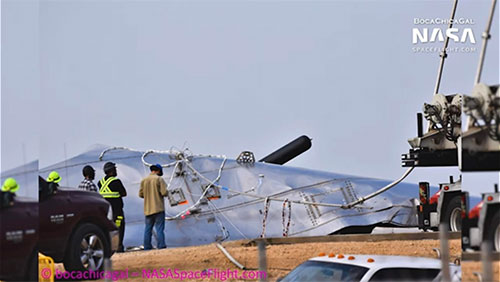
x=105, y=191
x=118, y=220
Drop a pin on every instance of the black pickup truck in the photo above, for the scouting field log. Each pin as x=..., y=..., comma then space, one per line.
x=18, y=238
x=71, y=226
x=76, y=227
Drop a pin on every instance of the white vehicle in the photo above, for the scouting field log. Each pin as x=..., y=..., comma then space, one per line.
x=365, y=268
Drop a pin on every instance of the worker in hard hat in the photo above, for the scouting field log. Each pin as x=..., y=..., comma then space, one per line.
x=112, y=189
x=53, y=180
x=9, y=189
x=10, y=185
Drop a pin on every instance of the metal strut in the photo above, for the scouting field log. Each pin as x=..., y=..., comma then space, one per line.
x=344, y=206
x=381, y=190
x=443, y=54
x=486, y=35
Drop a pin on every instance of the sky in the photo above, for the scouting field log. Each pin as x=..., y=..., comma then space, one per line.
x=221, y=77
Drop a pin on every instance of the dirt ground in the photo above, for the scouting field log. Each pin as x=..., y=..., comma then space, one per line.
x=468, y=269
x=280, y=258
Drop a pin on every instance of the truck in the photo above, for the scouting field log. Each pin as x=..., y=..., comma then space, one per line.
x=364, y=268
x=480, y=152
x=76, y=227
x=482, y=222
x=18, y=238
x=445, y=206
x=438, y=147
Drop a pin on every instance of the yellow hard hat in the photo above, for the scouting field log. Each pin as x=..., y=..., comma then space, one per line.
x=54, y=177
x=10, y=185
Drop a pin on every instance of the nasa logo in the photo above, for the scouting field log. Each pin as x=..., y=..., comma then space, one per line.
x=422, y=35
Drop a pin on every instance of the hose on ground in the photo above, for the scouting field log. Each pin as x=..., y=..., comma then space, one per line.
x=228, y=255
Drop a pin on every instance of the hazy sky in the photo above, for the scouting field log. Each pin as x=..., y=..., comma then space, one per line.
x=228, y=76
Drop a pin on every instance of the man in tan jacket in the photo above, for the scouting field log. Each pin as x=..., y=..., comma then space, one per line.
x=153, y=189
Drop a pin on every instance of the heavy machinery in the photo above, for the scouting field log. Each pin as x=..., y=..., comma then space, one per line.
x=444, y=206
x=438, y=147
x=481, y=141
x=482, y=222
x=481, y=152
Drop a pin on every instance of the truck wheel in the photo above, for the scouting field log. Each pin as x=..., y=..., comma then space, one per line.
x=494, y=232
x=88, y=247
x=453, y=214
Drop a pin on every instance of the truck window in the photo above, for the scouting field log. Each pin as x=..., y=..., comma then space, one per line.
x=405, y=274
x=325, y=271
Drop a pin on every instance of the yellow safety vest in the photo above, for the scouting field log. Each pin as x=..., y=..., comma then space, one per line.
x=105, y=191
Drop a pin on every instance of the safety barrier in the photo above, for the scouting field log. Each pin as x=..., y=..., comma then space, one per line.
x=46, y=268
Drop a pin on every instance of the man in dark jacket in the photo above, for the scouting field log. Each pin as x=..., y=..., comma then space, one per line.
x=111, y=188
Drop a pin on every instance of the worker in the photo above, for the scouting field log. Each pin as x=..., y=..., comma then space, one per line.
x=9, y=189
x=53, y=180
x=112, y=189
x=153, y=189
x=10, y=185
x=88, y=183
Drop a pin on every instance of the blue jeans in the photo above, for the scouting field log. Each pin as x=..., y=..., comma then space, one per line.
x=158, y=220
